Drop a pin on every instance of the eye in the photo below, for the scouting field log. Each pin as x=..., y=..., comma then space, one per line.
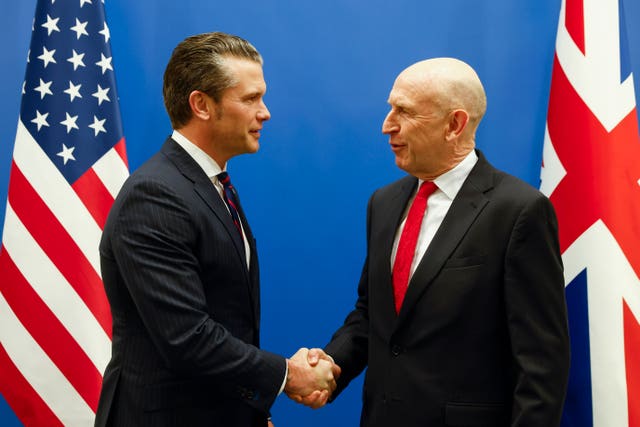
x=401, y=111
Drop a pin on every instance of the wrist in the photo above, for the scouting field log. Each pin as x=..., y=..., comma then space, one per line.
x=290, y=373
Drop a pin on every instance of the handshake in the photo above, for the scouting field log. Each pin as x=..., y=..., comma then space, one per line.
x=311, y=377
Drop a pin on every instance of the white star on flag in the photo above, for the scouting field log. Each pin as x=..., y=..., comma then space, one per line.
x=66, y=153
x=70, y=122
x=41, y=119
x=104, y=63
x=76, y=59
x=105, y=32
x=51, y=25
x=80, y=28
x=82, y=2
x=73, y=91
x=47, y=56
x=98, y=125
x=44, y=89
x=101, y=94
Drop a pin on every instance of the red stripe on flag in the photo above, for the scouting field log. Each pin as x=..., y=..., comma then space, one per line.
x=50, y=333
x=121, y=149
x=632, y=358
x=94, y=195
x=59, y=246
x=602, y=170
x=21, y=397
x=574, y=22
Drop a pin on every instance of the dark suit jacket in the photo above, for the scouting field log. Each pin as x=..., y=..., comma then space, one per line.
x=481, y=339
x=185, y=307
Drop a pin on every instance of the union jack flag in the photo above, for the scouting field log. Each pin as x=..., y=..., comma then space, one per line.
x=69, y=162
x=591, y=171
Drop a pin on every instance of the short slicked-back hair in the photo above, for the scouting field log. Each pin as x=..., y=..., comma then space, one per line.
x=197, y=63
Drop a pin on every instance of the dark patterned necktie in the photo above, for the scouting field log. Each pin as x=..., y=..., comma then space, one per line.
x=229, y=196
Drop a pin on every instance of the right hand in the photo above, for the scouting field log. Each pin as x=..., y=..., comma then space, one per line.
x=307, y=384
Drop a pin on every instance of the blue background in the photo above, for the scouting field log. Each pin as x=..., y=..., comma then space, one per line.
x=329, y=66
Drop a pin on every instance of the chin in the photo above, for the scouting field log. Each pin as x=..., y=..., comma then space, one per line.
x=252, y=146
x=401, y=163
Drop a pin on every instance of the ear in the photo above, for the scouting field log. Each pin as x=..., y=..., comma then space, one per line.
x=201, y=105
x=458, y=120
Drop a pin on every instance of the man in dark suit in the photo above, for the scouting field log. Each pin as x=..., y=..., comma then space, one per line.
x=180, y=266
x=460, y=317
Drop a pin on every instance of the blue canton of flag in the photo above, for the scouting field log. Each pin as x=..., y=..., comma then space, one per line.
x=69, y=94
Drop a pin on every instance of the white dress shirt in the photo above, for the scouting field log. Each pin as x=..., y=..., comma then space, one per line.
x=212, y=169
x=438, y=205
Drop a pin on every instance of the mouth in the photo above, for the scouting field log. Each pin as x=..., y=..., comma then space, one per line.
x=255, y=133
x=397, y=147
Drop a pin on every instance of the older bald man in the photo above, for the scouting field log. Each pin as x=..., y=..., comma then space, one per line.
x=460, y=317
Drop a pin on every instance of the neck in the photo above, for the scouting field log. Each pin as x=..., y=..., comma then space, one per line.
x=454, y=161
x=199, y=139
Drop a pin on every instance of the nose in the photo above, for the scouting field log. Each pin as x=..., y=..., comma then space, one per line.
x=263, y=112
x=389, y=124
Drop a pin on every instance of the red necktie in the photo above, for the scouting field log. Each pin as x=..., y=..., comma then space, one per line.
x=407, y=244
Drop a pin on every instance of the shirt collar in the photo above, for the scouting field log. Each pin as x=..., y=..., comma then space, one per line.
x=451, y=181
x=208, y=165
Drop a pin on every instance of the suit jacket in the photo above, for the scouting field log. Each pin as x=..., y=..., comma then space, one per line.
x=185, y=307
x=481, y=338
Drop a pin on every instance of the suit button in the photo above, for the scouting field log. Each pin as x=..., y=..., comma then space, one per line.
x=246, y=393
x=396, y=350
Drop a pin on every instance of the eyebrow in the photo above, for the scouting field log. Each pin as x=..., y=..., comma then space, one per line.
x=400, y=103
x=254, y=93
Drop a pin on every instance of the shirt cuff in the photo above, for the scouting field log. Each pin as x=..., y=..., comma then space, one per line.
x=284, y=381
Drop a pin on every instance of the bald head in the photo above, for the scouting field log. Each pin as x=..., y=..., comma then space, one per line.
x=449, y=84
x=436, y=106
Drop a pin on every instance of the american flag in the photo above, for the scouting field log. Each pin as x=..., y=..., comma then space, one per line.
x=591, y=170
x=69, y=162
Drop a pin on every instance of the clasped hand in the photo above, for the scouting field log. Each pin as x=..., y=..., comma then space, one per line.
x=311, y=377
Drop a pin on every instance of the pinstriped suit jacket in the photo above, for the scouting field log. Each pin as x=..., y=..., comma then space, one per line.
x=185, y=307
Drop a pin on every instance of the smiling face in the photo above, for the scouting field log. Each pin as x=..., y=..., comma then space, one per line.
x=241, y=111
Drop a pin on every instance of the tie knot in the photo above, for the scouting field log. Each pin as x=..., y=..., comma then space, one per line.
x=426, y=189
x=224, y=179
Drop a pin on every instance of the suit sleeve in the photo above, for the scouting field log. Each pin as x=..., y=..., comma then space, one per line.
x=154, y=243
x=537, y=317
x=349, y=345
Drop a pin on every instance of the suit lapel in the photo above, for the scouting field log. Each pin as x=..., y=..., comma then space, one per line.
x=206, y=190
x=254, y=275
x=469, y=202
